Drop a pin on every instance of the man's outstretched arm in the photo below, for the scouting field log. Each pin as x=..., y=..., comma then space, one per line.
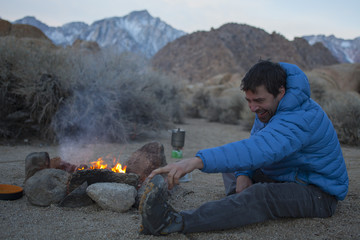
x=178, y=169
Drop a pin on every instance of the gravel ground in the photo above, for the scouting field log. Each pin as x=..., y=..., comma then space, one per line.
x=20, y=220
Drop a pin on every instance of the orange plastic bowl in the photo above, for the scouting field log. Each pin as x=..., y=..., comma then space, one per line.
x=10, y=192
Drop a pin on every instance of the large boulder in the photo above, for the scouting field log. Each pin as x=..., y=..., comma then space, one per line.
x=47, y=187
x=146, y=159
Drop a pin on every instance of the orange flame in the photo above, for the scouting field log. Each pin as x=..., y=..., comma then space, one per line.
x=100, y=164
x=118, y=168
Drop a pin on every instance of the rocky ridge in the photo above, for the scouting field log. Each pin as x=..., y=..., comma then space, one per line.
x=21, y=31
x=234, y=48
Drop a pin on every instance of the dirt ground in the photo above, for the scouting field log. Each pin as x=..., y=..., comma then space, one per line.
x=20, y=220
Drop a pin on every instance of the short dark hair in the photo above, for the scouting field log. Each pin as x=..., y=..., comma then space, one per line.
x=266, y=73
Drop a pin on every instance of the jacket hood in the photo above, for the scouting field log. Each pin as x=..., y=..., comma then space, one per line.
x=297, y=88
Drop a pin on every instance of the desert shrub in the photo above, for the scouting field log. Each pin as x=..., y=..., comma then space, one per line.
x=198, y=105
x=116, y=98
x=229, y=116
x=116, y=102
x=30, y=92
x=214, y=111
x=343, y=109
x=64, y=93
x=167, y=91
x=9, y=107
x=219, y=103
x=247, y=118
x=320, y=84
x=224, y=110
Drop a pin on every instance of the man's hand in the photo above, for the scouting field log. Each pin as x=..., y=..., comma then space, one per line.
x=177, y=170
x=242, y=182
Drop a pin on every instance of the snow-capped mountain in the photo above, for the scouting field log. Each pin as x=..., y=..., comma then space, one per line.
x=34, y=22
x=346, y=51
x=137, y=32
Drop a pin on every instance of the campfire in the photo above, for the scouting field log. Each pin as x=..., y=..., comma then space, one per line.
x=100, y=164
x=104, y=181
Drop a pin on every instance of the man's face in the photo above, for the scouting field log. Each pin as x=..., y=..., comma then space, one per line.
x=263, y=103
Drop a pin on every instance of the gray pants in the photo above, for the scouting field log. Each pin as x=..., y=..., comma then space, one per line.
x=265, y=199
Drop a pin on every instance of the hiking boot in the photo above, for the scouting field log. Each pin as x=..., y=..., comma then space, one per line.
x=157, y=216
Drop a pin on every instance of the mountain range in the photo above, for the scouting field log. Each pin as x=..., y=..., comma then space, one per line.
x=346, y=51
x=234, y=48
x=139, y=32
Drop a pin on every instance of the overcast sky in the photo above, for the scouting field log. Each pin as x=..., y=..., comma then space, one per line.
x=291, y=18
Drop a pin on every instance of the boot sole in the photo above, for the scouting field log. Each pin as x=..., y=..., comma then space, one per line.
x=151, y=192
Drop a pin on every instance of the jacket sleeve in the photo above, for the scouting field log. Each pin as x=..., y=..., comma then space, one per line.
x=279, y=139
x=255, y=128
x=248, y=173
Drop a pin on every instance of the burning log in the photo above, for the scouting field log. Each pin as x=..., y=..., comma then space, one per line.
x=101, y=175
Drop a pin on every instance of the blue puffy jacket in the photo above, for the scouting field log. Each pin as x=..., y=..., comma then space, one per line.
x=298, y=144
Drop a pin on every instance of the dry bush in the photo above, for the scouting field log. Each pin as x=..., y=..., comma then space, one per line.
x=73, y=94
x=320, y=84
x=9, y=105
x=167, y=91
x=115, y=97
x=247, y=118
x=220, y=103
x=30, y=92
x=204, y=102
x=226, y=108
x=199, y=103
x=343, y=108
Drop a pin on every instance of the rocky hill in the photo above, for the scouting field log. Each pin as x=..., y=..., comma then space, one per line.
x=137, y=32
x=20, y=31
x=235, y=48
x=346, y=51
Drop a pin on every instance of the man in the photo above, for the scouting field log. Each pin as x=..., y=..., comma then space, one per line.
x=291, y=166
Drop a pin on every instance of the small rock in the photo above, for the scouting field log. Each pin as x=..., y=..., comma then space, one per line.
x=77, y=198
x=46, y=187
x=35, y=162
x=118, y=197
